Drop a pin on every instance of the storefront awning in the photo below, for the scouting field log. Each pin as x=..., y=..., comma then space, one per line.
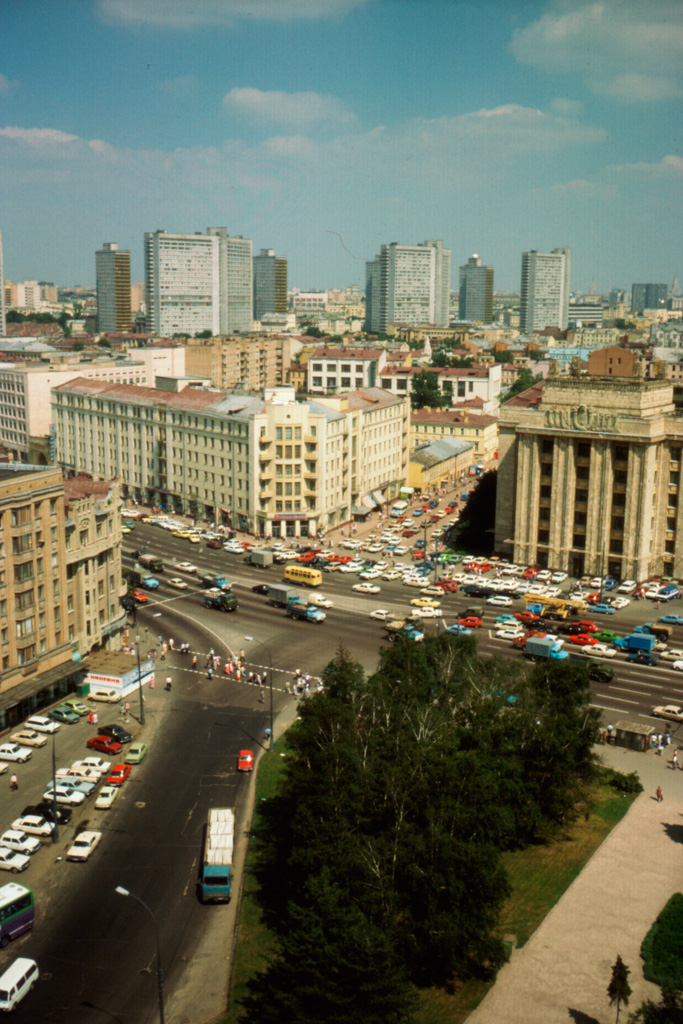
x=379, y=497
x=367, y=501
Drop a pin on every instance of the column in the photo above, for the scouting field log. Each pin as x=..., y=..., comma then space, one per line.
x=599, y=517
x=562, y=504
x=526, y=511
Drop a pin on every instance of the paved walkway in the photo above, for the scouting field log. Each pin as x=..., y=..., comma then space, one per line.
x=561, y=974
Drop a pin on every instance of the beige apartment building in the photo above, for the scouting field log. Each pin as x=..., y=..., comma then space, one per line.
x=479, y=429
x=250, y=363
x=589, y=477
x=266, y=464
x=60, y=583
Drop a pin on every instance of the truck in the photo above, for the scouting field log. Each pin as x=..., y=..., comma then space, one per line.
x=554, y=607
x=397, y=628
x=280, y=594
x=149, y=562
x=214, y=580
x=298, y=609
x=216, y=876
x=262, y=559
x=221, y=601
x=660, y=630
x=638, y=641
x=544, y=647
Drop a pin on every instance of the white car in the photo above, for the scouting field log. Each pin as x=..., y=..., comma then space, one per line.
x=393, y=574
x=627, y=587
x=188, y=566
x=552, y=591
x=19, y=842
x=348, y=567
x=97, y=763
x=29, y=738
x=108, y=696
x=83, y=845
x=413, y=581
x=320, y=600
x=673, y=654
x=64, y=795
x=425, y=613
x=13, y=861
x=41, y=724
x=678, y=665
x=544, y=575
x=500, y=600
x=369, y=574
x=177, y=583
x=558, y=577
x=432, y=592
x=366, y=588
x=509, y=634
x=400, y=550
x=82, y=771
x=595, y=581
x=106, y=797
x=602, y=650
x=620, y=602
x=33, y=825
x=381, y=613
x=13, y=752
x=233, y=547
x=373, y=548
x=537, y=589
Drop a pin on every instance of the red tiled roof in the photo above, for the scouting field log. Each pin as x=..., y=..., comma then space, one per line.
x=84, y=486
x=529, y=398
x=462, y=418
x=188, y=398
x=347, y=353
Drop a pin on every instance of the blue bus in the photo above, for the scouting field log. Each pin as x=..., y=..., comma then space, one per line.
x=16, y=912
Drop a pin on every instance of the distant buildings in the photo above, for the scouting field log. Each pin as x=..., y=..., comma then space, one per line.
x=270, y=283
x=199, y=282
x=112, y=270
x=408, y=284
x=3, y=325
x=250, y=363
x=647, y=296
x=476, y=291
x=544, y=299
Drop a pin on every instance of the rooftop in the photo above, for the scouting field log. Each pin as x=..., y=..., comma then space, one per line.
x=439, y=451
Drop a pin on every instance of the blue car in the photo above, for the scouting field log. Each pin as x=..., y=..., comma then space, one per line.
x=458, y=630
x=672, y=620
x=603, y=609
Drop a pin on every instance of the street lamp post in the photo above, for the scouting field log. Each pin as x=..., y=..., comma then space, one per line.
x=160, y=977
x=55, y=825
x=252, y=639
x=142, y=703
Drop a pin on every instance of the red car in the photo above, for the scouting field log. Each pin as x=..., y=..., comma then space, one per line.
x=448, y=586
x=527, y=617
x=530, y=574
x=245, y=761
x=105, y=745
x=587, y=626
x=139, y=596
x=307, y=556
x=471, y=621
x=214, y=543
x=582, y=640
x=118, y=775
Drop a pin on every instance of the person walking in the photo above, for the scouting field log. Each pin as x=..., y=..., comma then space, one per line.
x=660, y=795
x=13, y=783
x=169, y=683
x=194, y=661
x=674, y=760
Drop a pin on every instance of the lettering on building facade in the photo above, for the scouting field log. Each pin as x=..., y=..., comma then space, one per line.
x=582, y=418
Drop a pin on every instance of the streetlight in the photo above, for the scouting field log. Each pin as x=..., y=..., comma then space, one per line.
x=160, y=977
x=55, y=826
x=142, y=704
x=252, y=639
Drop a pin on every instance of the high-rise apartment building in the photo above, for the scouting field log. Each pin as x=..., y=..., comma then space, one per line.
x=648, y=296
x=544, y=300
x=235, y=281
x=112, y=270
x=270, y=283
x=476, y=291
x=408, y=284
x=182, y=282
x=3, y=324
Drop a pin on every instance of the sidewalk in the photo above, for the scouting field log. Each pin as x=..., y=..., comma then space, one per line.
x=563, y=971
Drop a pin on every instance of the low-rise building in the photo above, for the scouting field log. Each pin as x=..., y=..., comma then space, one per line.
x=333, y=370
x=248, y=362
x=455, y=383
x=439, y=464
x=478, y=429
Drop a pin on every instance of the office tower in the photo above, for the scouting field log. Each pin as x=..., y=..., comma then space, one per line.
x=182, y=283
x=408, y=284
x=3, y=324
x=544, y=300
x=647, y=296
x=112, y=270
x=236, y=275
x=476, y=291
x=270, y=283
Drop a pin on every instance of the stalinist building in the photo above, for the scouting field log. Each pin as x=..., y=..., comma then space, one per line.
x=589, y=473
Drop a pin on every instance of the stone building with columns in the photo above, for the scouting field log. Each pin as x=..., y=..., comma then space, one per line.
x=589, y=476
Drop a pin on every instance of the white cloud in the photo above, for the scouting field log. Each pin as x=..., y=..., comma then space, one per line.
x=7, y=85
x=38, y=136
x=627, y=49
x=290, y=108
x=187, y=14
x=565, y=107
x=670, y=166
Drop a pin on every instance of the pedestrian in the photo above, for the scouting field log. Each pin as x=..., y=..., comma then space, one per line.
x=90, y=717
x=14, y=783
x=674, y=760
x=667, y=738
x=171, y=643
x=194, y=661
x=209, y=674
x=610, y=729
x=242, y=657
x=660, y=795
x=168, y=683
x=261, y=695
x=160, y=639
x=94, y=718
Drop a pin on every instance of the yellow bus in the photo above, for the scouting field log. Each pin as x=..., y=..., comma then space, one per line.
x=303, y=575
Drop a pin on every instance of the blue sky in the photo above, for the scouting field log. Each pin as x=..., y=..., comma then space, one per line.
x=322, y=128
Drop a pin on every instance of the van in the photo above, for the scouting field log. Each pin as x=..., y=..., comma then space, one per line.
x=17, y=981
x=398, y=508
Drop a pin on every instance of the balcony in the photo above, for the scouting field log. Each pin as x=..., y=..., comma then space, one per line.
x=310, y=492
x=264, y=477
x=265, y=492
x=310, y=439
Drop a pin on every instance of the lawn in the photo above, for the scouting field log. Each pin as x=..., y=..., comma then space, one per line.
x=538, y=875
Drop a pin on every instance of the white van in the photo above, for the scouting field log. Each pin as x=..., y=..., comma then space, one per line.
x=398, y=508
x=17, y=981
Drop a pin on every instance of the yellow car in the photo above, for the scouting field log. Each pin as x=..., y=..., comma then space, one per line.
x=125, y=529
x=425, y=602
x=194, y=538
x=181, y=533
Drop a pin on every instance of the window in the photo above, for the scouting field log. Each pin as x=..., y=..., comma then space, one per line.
x=583, y=450
x=278, y=433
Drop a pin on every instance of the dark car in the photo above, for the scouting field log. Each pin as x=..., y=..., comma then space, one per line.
x=433, y=504
x=643, y=658
x=260, y=588
x=47, y=811
x=214, y=543
x=601, y=673
x=474, y=590
x=117, y=732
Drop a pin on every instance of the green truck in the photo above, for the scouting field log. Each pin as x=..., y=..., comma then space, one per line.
x=221, y=601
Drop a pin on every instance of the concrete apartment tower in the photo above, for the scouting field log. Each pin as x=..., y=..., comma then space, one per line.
x=236, y=277
x=182, y=283
x=112, y=270
x=3, y=321
x=544, y=300
x=270, y=283
x=476, y=291
x=408, y=284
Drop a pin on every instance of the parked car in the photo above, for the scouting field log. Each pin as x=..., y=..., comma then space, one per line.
x=118, y=775
x=96, y=763
x=64, y=795
x=64, y=714
x=105, y=744
x=83, y=845
x=136, y=752
x=117, y=732
x=106, y=797
x=46, y=809
x=13, y=752
x=41, y=724
x=77, y=705
x=19, y=842
x=14, y=862
x=29, y=738
x=245, y=761
x=33, y=825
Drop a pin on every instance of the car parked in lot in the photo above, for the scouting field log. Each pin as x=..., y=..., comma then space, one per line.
x=106, y=797
x=77, y=782
x=29, y=738
x=64, y=714
x=14, y=862
x=117, y=732
x=107, y=696
x=83, y=845
x=13, y=752
x=136, y=752
x=33, y=825
x=118, y=775
x=77, y=705
x=64, y=795
x=51, y=812
x=105, y=745
x=96, y=763
x=41, y=724
x=19, y=842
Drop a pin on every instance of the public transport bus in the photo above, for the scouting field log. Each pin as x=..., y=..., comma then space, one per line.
x=16, y=911
x=303, y=575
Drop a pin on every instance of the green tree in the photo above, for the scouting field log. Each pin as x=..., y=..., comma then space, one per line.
x=525, y=379
x=78, y=346
x=504, y=356
x=425, y=391
x=619, y=989
x=668, y=1011
x=204, y=334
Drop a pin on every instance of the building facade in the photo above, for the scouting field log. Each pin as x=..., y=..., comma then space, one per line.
x=478, y=429
x=476, y=291
x=270, y=283
x=408, y=284
x=235, y=286
x=648, y=296
x=112, y=270
x=589, y=477
x=455, y=383
x=438, y=464
x=251, y=363
x=269, y=465
x=544, y=299
x=3, y=325
x=339, y=369
x=182, y=283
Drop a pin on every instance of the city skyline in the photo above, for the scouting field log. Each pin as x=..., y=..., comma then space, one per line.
x=324, y=128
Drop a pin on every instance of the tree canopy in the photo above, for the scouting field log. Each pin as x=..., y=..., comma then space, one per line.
x=379, y=858
x=425, y=391
x=525, y=379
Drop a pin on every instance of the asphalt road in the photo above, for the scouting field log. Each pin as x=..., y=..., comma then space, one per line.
x=96, y=948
